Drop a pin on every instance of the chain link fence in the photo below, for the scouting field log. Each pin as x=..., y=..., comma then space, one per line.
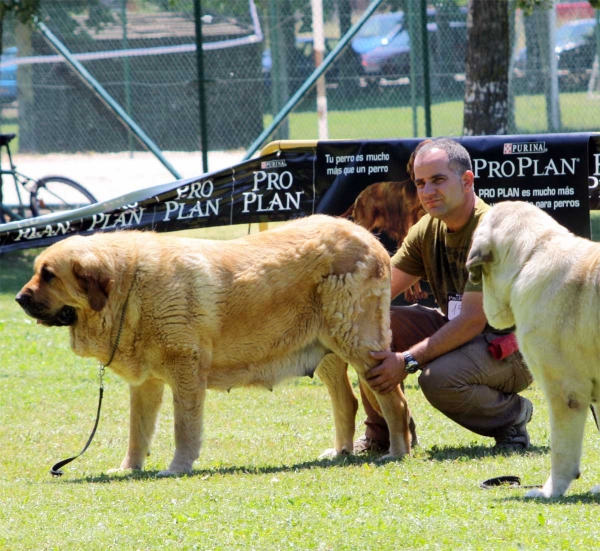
x=255, y=57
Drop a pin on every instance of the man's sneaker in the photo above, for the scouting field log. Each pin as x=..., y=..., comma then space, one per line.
x=365, y=445
x=516, y=438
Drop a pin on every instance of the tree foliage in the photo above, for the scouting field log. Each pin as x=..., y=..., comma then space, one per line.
x=24, y=10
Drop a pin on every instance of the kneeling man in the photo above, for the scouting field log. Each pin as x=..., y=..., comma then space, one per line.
x=458, y=374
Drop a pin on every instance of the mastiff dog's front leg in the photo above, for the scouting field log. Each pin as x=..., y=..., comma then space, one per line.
x=189, y=391
x=144, y=403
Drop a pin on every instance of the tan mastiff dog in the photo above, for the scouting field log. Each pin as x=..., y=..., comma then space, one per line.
x=313, y=294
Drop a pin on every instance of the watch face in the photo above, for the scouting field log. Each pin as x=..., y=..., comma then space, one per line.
x=412, y=367
x=410, y=364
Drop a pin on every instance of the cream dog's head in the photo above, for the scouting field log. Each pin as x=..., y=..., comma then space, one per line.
x=68, y=277
x=503, y=243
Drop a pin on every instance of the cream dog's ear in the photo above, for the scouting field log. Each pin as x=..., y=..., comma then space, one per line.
x=478, y=258
x=94, y=282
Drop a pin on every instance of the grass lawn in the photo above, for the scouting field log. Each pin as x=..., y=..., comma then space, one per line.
x=257, y=484
x=579, y=113
x=595, y=224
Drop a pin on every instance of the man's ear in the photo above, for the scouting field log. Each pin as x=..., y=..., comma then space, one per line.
x=468, y=179
x=94, y=282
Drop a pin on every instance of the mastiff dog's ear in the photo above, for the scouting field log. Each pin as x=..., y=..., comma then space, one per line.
x=94, y=281
x=479, y=256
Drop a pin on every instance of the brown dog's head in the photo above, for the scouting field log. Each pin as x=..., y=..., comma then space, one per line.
x=68, y=277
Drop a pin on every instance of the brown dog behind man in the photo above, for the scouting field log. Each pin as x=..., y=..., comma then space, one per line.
x=389, y=209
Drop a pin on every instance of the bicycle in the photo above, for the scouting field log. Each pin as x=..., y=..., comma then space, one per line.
x=30, y=197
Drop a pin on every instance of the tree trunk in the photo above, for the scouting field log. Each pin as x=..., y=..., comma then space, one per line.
x=488, y=57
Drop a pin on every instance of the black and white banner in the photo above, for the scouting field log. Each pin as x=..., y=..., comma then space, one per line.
x=553, y=171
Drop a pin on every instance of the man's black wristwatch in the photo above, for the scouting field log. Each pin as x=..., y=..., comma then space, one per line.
x=410, y=364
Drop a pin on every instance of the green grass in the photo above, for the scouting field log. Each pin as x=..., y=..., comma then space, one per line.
x=595, y=224
x=257, y=484
x=375, y=124
x=578, y=114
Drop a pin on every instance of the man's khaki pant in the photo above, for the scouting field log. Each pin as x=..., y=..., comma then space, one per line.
x=467, y=384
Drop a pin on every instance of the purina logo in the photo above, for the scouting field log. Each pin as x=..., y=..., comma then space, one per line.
x=524, y=147
x=278, y=163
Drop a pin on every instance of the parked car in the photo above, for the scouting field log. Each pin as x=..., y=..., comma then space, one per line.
x=379, y=30
x=301, y=61
x=383, y=44
x=8, y=75
x=575, y=48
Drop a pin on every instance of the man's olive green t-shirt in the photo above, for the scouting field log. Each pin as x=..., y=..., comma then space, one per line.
x=433, y=253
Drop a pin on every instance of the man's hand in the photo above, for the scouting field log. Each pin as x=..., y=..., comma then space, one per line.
x=388, y=374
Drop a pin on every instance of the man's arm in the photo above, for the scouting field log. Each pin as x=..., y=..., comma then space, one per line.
x=458, y=331
x=401, y=281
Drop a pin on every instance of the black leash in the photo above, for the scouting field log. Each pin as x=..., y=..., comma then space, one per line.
x=55, y=470
x=510, y=482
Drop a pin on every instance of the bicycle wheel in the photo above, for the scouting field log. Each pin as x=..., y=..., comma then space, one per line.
x=55, y=193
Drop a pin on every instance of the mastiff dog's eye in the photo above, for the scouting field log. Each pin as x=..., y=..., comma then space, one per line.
x=47, y=275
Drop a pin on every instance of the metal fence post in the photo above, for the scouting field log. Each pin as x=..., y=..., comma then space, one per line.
x=413, y=27
x=426, y=71
x=127, y=73
x=201, y=91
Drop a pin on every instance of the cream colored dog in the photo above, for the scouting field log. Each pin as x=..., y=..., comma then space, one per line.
x=546, y=281
x=313, y=293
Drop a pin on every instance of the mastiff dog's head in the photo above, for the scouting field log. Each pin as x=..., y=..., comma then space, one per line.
x=68, y=277
x=503, y=244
